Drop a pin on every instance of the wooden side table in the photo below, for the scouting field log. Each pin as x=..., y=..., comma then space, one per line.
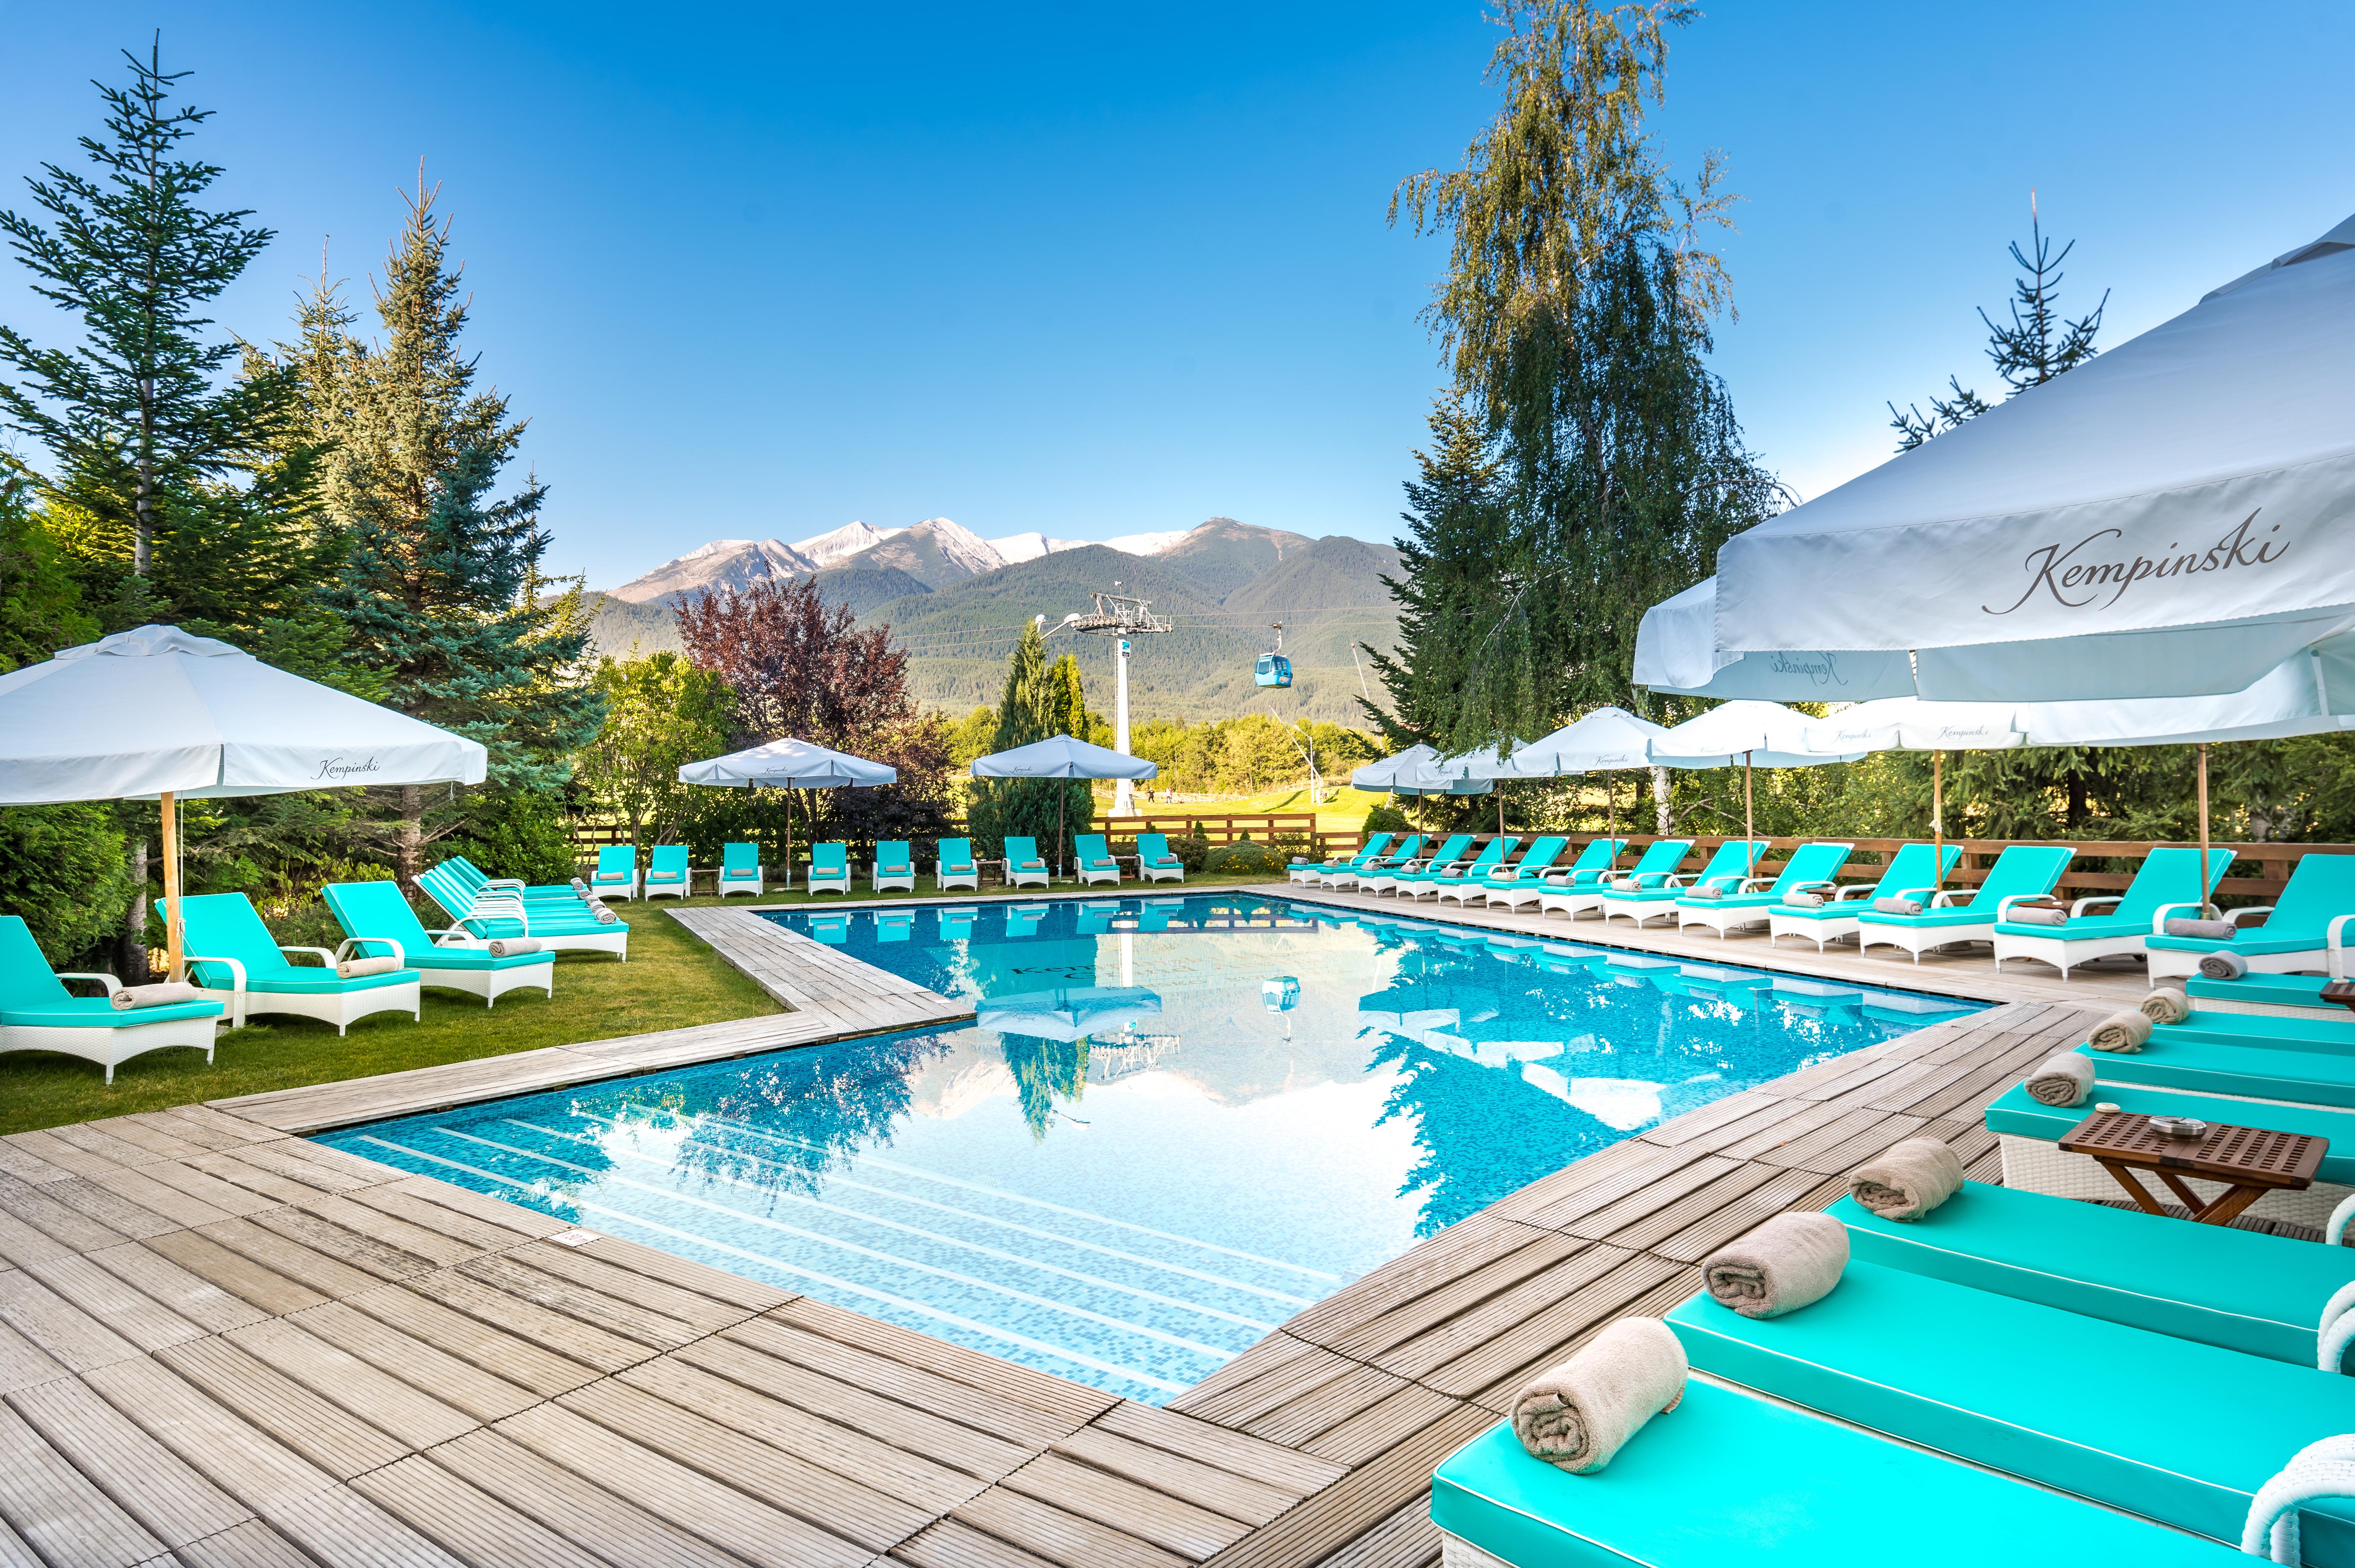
x=2249, y=1161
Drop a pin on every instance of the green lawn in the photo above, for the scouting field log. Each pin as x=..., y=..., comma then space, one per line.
x=671, y=981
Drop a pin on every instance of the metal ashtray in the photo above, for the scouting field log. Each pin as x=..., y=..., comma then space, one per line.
x=2179, y=1127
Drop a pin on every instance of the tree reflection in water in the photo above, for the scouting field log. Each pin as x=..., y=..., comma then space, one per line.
x=788, y=1120
x=1043, y=1070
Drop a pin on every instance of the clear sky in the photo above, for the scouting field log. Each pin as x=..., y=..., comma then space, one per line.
x=760, y=271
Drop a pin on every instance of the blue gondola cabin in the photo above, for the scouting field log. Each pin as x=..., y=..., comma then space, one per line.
x=1274, y=669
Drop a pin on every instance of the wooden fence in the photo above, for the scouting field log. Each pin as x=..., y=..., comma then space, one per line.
x=1298, y=826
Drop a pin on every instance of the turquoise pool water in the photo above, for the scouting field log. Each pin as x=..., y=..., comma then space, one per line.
x=1177, y=1122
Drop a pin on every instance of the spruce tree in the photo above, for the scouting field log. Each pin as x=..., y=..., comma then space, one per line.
x=1576, y=315
x=1038, y=701
x=439, y=585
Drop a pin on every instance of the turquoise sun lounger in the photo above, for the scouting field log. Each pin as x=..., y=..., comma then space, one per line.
x=452, y=959
x=956, y=867
x=1400, y=856
x=1523, y=874
x=829, y=868
x=1023, y=863
x=1154, y=863
x=1374, y=848
x=1092, y=856
x=1836, y=917
x=233, y=959
x=667, y=876
x=2301, y=931
x=38, y=1013
x=555, y=924
x=1435, y=878
x=1962, y=915
x=2268, y=995
x=1810, y=868
x=1385, y=878
x=1728, y=868
x=894, y=867
x=2240, y=1290
x=2300, y=1070
x=1593, y=863
x=2157, y=890
x=1727, y=1478
x=2169, y=1429
x=616, y=876
x=1652, y=868
x=740, y=869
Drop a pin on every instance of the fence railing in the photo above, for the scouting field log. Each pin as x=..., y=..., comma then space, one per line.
x=1226, y=828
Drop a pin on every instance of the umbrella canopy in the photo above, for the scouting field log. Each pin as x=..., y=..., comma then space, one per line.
x=2166, y=520
x=1393, y=771
x=1676, y=652
x=1918, y=724
x=789, y=764
x=1070, y=1014
x=1063, y=757
x=158, y=709
x=1762, y=734
x=1605, y=740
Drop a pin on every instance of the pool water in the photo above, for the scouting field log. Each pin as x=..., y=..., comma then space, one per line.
x=1176, y=1123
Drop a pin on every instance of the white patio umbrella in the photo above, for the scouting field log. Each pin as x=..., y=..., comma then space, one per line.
x=1603, y=741
x=1390, y=772
x=1069, y=1013
x=1063, y=757
x=789, y=764
x=1759, y=734
x=2167, y=519
x=1676, y=652
x=1916, y=724
x=161, y=712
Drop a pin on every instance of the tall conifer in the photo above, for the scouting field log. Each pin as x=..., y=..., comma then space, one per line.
x=439, y=586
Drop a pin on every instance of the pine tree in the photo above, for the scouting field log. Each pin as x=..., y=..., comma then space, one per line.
x=1038, y=702
x=1576, y=314
x=439, y=586
x=2035, y=345
x=134, y=413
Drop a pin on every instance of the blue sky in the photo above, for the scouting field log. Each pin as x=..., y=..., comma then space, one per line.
x=762, y=271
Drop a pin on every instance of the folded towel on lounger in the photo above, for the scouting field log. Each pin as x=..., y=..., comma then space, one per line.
x=1909, y=1181
x=2062, y=1079
x=353, y=968
x=163, y=994
x=1806, y=901
x=2167, y=1005
x=2127, y=1032
x=509, y=947
x=603, y=914
x=1790, y=1260
x=1705, y=891
x=2037, y=915
x=578, y=886
x=1578, y=1415
x=2222, y=967
x=2207, y=930
x=1898, y=906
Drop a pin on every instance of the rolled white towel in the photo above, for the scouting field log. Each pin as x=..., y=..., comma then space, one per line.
x=2060, y=1079
x=1705, y=891
x=1805, y=901
x=2125, y=1032
x=1580, y=1413
x=1908, y=1181
x=2222, y=967
x=1790, y=1260
x=2325, y=1468
x=2167, y=1005
x=578, y=886
x=163, y=994
x=512, y=946
x=2207, y=930
x=353, y=968
x=604, y=915
x=2037, y=914
x=1898, y=906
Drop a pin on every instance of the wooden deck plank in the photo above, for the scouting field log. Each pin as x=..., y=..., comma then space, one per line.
x=108, y=1300
x=405, y=1412
x=62, y=1330
x=1058, y=1535
x=249, y=1465
x=574, y=1506
x=513, y=1357
x=146, y=1481
x=252, y=1545
x=319, y=1430
x=447, y=1378
x=1284, y=1469
x=58, y=1511
x=466, y=1521
x=1171, y=1524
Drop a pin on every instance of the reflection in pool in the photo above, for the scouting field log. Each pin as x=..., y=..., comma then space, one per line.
x=1175, y=1123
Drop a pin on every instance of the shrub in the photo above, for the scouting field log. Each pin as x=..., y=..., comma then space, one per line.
x=1193, y=851
x=1244, y=857
x=515, y=833
x=1388, y=818
x=65, y=868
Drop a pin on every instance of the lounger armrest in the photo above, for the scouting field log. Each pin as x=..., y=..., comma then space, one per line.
x=325, y=958
x=109, y=981
x=1850, y=891
x=345, y=948
x=1752, y=884
x=466, y=938
x=1915, y=892
x=2083, y=905
x=1944, y=899
x=1804, y=887
x=236, y=969
x=515, y=882
x=2334, y=944
x=2238, y=916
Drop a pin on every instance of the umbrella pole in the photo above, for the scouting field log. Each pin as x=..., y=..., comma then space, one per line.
x=2206, y=909
x=1937, y=821
x=1749, y=818
x=172, y=924
x=1611, y=812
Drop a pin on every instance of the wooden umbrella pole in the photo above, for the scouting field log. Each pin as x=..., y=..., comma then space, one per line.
x=1611, y=812
x=174, y=963
x=2206, y=908
x=1937, y=821
x=1749, y=819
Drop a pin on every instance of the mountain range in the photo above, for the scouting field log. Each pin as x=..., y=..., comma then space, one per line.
x=958, y=603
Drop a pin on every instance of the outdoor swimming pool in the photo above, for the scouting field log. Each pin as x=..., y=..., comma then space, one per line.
x=1178, y=1121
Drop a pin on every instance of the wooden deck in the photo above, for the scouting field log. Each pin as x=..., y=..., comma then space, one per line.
x=221, y=1344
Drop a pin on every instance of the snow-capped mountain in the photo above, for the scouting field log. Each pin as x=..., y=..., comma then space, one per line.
x=732, y=563
x=1016, y=548
x=833, y=548
x=1146, y=544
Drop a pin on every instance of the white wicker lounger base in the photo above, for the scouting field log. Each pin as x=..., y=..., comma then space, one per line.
x=1822, y=932
x=2174, y=963
x=109, y=1047
x=2061, y=952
